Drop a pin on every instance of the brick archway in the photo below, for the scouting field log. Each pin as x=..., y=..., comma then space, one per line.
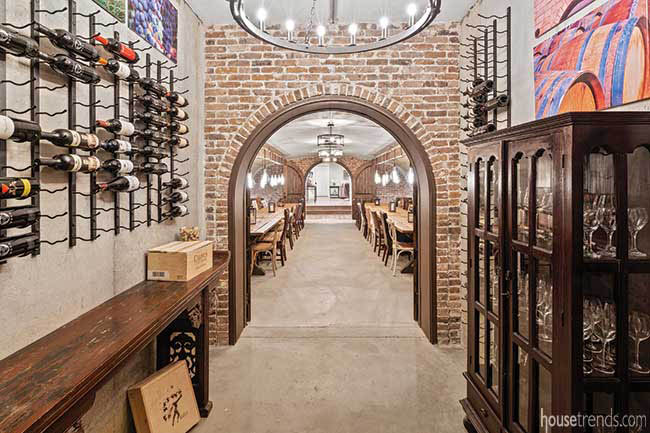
x=247, y=139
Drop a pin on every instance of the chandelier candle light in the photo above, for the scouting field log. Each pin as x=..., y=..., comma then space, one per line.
x=414, y=23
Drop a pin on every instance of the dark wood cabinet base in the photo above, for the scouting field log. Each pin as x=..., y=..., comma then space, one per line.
x=205, y=410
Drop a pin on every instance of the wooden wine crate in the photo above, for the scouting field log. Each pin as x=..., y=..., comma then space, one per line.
x=179, y=261
x=165, y=401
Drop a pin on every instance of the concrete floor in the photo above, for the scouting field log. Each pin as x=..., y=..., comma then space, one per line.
x=332, y=348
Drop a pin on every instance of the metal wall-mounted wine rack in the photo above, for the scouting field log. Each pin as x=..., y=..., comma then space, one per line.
x=488, y=91
x=74, y=214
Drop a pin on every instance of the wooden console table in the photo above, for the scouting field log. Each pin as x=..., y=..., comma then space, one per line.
x=50, y=384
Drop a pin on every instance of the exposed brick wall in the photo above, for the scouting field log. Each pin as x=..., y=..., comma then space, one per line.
x=247, y=80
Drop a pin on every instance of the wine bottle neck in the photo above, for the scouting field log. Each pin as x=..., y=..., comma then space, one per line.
x=46, y=31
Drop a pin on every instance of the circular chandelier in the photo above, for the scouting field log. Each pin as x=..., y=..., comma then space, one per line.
x=311, y=36
x=330, y=145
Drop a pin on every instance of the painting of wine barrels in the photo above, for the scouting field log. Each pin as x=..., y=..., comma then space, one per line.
x=156, y=21
x=605, y=53
x=117, y=8
x=550, y=13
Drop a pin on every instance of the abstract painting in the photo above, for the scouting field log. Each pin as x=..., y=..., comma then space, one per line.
x=597, y=62
x=117, y=8
x=156, y=21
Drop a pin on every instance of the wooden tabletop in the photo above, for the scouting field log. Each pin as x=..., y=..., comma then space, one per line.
x=41, y=382
x=399, y=217
x=266, y=221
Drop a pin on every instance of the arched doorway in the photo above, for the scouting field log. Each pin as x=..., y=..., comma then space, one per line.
x=425, y=274
x=310, y=170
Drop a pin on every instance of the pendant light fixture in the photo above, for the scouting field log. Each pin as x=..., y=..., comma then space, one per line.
x=410, y=178
x=265, y=175
x=250, y=181
x=376, y=36
x=395, y=173
x=377, y=175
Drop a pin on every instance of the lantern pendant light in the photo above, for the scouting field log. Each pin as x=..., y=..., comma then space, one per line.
x=265, y=175
x=411, y=176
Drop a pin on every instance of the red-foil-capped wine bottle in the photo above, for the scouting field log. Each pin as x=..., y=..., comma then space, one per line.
x=71, y=138
x=118, y=48
x=72, y=163
x=177, y=99
x=69, y=42
x=120, y=69
x=18, y=217
x=17, y=44
x=18, y=130
x=118, y=166
x=116, y=145
x=18, y=188
x=119, y=127
x=16, y=246
x=120, y=184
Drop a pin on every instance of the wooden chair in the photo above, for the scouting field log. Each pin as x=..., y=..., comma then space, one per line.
x=399, y=247
x=379, y=245
x=290, y=230
x=266, y=247
x=388, y=241
x=282, y=242
x=297, y=217
x=370, y=235
x=363, y=226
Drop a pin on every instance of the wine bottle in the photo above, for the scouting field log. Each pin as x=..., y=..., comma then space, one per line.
x=70, y=67
x=179, y=128
x=149, y=152
x=490, y=127
x=71, y=138
x=157, y=168
x=116, y=146
x=18, y=188
x=177, y=99
x=119, y=184
x=178, y=211
x=118, y=48
x=17, y=44
x=498, y=102
x=176, y=197
x=72, y=163
x=180, y=142
x=178, y=114
x=153, y=86
x=67, y=41
x=176, y=183
x=120, y=70
x=154, y=135
x=18, y=130
x=18, y=245
x=118, y=166
x=480, y=90
x=119, y=127
x=18, y=217
x=152, y=119
x=153, y=103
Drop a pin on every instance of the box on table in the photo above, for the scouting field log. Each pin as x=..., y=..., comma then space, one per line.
x=179, y=261
x=165, y=401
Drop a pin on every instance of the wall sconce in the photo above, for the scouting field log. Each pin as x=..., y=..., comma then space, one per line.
x=271, y=207
x=392, y=206
x=252, y=215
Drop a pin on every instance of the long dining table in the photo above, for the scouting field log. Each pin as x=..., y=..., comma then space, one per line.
x=400, y=219
x=265, y=223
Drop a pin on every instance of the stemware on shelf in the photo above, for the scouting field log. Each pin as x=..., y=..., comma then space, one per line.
x=608, y=224
x=637, y=220
x=544, y=308
x=605, y=331
x=639, y=332
x=591, y=223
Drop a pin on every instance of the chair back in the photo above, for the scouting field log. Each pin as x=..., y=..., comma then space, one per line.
x=393, y=231
x=387, y=235
x=285, y=225
x=299, y=213
x=276, y=233
x=377, y=221
x=369, y=218
x=361, y=215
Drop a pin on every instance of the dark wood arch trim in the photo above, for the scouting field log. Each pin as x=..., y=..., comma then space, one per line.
x=426, y=209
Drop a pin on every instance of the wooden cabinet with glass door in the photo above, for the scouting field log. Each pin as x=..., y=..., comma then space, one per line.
x=559, y=276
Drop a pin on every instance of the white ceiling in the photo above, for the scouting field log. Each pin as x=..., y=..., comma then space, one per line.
x=218, y=11
x=363, y=138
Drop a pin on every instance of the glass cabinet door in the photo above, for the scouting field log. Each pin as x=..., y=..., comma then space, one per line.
x=486, y=256
x=531, y=281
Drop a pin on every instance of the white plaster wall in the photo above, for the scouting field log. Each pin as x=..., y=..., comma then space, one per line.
x=38, y=295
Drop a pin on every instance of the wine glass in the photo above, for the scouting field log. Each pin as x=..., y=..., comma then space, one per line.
x=587, y=327
x=608, y=223
x=546, y=308
x=591, y=223
x=639, y=332
x=637, y=219
x=605, y=330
